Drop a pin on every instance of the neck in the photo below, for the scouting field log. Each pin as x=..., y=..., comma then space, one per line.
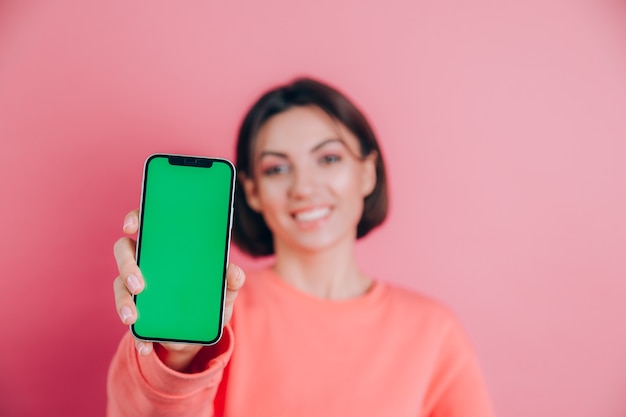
x=331, y=273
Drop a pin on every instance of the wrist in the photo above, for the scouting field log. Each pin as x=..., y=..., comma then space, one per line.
x=179, y=359
x=193, y=359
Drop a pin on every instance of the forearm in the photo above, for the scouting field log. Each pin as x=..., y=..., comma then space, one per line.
x=139, y=385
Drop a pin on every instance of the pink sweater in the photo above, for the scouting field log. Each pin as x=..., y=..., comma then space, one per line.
x=285, y=353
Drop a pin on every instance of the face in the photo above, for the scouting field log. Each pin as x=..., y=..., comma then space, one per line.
x=309, y=180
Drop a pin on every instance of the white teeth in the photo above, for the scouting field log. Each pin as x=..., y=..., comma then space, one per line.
x=312, y=215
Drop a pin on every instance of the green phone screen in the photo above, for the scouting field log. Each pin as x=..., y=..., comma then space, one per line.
x=182, y=248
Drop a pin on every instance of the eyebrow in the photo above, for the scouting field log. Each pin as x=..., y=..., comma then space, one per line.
x=315, y=148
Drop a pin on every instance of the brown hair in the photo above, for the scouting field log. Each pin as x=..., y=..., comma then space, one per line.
x=250, y=232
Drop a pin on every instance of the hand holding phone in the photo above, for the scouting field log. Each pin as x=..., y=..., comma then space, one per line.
x=178, y=356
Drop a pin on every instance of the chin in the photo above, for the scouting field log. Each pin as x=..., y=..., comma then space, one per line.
x=320, y=243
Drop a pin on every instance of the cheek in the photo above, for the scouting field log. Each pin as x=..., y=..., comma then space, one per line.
x=347, y=183
x=271, y=196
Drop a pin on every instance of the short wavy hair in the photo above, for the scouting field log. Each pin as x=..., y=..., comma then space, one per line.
x=250, y=232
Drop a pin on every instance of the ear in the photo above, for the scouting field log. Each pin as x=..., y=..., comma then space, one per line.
x=250, y=189
x=369, y=178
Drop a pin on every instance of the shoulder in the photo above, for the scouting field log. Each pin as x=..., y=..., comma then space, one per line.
x=410, y=301
x=429, y=321
x=423, y=314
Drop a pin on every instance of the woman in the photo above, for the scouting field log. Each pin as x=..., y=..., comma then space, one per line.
x=313, y=334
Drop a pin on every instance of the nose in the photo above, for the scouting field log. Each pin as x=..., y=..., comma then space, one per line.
x=303, y=183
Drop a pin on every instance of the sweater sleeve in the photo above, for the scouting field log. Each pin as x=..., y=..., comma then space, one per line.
x=458, y=388
x=144, y=386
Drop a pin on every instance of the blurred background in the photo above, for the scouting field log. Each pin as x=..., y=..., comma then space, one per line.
x=503, y=126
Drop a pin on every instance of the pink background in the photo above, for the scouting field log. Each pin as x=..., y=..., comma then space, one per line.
x=504, y=129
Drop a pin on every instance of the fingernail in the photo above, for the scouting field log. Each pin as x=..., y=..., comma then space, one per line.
x=127, y=222
x=237, y=276
x=126, y=314
x=143, y=349
x=133, y=283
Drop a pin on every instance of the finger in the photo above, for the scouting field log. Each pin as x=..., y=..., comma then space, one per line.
x=235, y=278
x=124, y=251
x=124, y=303
x=131, y=222
x=144, y=348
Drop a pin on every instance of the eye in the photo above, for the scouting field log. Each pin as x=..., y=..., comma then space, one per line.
x=276, y=170
x=330, y=159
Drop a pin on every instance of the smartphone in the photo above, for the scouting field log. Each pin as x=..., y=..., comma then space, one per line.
x=183, y=244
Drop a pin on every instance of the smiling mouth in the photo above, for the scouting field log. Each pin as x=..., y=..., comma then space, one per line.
x=312, y=215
